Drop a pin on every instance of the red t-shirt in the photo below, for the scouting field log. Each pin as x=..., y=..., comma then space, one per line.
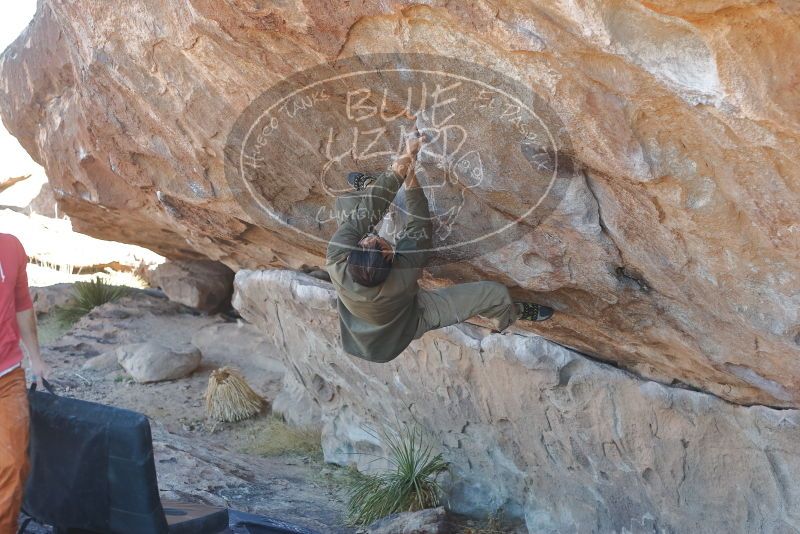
x=14, y=298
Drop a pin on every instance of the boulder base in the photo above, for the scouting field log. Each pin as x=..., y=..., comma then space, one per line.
x=531, y=428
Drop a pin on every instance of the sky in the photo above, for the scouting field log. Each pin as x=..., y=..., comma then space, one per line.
x=14, y=160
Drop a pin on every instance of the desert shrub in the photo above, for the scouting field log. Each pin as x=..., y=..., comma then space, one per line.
x=410, y=485
x=229, y=397
x=88, y=295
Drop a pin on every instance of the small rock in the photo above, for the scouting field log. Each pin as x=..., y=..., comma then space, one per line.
x=428, y=521
x=152, y=362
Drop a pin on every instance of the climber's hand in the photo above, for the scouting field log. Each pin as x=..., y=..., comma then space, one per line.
x=408, y=158
x=414, y=144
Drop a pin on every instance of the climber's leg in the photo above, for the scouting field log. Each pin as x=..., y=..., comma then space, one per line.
x=455, y=304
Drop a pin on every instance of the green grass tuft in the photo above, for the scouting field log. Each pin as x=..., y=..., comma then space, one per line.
x=410, y=485
x=88, y=295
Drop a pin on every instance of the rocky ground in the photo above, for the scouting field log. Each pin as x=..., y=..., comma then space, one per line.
x=197, y=460
x=260, y=466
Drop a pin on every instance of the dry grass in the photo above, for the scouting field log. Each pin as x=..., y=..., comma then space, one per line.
x=229, y=397
x=276, y=437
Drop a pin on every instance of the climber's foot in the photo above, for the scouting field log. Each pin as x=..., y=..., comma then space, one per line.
x=358, y=180
x=535, y=312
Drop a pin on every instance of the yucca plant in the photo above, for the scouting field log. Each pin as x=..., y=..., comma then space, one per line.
x=410, y=485
x=229, y=397
x=88, y=295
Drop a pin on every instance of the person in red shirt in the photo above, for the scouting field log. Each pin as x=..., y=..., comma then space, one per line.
x=17, y=323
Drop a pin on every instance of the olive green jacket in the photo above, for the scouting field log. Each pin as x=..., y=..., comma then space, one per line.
x=378, y=323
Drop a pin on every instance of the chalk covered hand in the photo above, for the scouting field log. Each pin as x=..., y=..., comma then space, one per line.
x=408, y=158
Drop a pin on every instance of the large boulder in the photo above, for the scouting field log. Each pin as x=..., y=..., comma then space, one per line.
x=201, y=284
x=533, y=429
x=670, y=248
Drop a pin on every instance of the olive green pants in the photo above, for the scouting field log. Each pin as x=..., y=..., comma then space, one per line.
x=455, y=304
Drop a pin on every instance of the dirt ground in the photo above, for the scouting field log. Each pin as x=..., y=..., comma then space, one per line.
x=195, y=459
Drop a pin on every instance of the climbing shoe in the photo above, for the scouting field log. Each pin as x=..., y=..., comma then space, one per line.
x=535, y=312
x=358, y=180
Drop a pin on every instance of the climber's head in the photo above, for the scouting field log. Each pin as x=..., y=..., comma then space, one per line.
x=370, y=262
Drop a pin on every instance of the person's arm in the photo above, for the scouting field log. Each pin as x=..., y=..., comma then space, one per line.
x=372, y=205
x=26, y=321
x=369, y=211
x=418, y=233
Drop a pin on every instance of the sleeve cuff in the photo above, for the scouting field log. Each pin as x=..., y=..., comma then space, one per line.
x=24, y=306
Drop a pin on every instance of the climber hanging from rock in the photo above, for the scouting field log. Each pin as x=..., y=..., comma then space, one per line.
x=381, y=307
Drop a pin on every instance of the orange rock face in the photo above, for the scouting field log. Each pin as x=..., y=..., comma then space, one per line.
x=670, y=248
